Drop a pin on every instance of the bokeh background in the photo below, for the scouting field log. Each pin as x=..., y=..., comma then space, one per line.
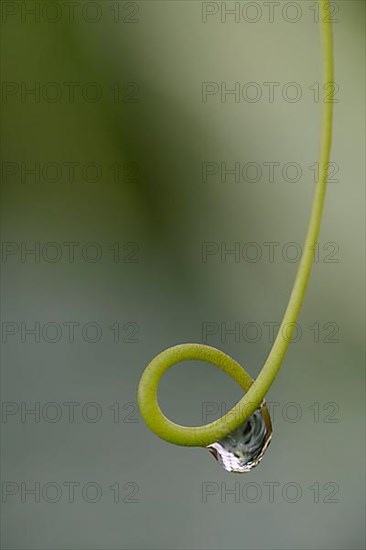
x=149, y=287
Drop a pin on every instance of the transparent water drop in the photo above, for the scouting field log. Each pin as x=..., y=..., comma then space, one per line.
x=243, y=449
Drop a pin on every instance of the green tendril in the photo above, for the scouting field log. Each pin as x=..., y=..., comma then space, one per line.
x=201, y=436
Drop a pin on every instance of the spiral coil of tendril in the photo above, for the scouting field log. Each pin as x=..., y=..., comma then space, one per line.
x=201, y=436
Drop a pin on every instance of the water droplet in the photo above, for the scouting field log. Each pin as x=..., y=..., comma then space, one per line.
x=243, y=449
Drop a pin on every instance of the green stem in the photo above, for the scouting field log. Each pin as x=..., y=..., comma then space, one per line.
x=202, y=436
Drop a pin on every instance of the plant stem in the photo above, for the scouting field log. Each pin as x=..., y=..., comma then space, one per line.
x=202, y=436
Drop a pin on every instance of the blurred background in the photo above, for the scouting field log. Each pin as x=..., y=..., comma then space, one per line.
x=158, y=166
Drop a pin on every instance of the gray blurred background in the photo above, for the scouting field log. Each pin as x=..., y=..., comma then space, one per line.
x=138, y=72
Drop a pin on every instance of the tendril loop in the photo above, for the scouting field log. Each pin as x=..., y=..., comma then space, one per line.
x=201, y=436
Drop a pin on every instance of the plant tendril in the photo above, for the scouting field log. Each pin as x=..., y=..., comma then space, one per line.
x=201, y=436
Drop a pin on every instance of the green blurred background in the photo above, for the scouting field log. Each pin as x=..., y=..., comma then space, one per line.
x=160, y=291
